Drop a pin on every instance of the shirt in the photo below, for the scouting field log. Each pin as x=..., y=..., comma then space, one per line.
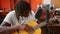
x=11, y=18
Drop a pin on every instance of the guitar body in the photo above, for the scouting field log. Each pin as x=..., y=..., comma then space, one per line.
x=30, y=23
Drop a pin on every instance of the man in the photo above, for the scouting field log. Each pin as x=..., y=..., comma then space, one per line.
x=21, y=15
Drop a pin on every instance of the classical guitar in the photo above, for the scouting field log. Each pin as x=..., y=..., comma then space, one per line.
x=37, y=30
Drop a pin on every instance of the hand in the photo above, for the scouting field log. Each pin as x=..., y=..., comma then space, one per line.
x=29, y=29
x=19, y=26
x=22, y=27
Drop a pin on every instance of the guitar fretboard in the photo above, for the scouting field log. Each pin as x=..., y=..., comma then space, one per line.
x=40, y=25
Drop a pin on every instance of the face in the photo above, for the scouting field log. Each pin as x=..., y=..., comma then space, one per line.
x=24, y=13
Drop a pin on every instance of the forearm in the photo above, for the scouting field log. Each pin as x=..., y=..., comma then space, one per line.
x=6, y=30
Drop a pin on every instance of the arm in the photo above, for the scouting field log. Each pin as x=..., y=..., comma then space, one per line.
x=5, y=29
x=8, y=30
x=5, y=26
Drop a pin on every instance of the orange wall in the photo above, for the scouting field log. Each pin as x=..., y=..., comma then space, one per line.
x=5, y=4
x=34, y=3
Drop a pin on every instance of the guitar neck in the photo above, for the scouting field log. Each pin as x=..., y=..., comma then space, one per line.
x=39, y=25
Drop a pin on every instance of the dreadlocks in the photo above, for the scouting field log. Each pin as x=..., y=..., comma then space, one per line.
x=22, y=7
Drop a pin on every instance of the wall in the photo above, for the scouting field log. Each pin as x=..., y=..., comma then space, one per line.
x=56, y=3
x=5, y=4
x=34, y=4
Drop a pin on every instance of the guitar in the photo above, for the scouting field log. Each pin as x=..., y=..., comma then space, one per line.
x=37, y=30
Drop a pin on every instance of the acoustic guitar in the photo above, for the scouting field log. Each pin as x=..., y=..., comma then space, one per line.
x=37, y=30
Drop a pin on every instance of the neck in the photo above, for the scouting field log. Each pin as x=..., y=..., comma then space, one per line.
x=39, y=25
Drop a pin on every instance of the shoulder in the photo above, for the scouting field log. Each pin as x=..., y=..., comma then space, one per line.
x=11, y=13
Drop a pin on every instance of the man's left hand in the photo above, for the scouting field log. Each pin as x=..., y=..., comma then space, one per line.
x=29, y=29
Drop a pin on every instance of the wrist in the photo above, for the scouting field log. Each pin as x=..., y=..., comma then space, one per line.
x=14, y=27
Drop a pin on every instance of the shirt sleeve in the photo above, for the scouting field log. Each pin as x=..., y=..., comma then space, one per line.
x=8, y=18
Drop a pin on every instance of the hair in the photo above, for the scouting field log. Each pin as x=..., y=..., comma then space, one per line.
x=22, y=6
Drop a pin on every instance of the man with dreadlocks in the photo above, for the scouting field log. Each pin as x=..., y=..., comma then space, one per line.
x=20, y=15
